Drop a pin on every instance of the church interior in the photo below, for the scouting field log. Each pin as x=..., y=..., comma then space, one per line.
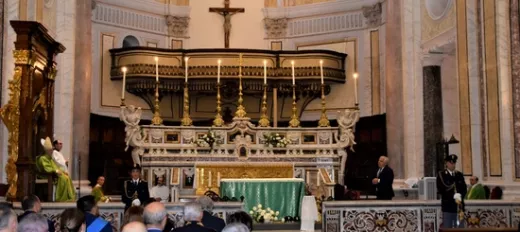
x=326, y=115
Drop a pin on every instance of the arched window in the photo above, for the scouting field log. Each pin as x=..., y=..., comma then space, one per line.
x=130, y=41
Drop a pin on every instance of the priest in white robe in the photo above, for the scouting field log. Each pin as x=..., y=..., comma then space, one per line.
x=160, y=191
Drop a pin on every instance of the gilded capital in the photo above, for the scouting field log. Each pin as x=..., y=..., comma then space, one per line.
x=23, y=57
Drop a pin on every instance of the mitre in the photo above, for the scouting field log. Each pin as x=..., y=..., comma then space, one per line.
x=46, y=143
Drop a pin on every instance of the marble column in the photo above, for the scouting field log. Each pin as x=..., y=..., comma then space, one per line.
x=432, y=117
x=394, y=88
x=82, y=88
x=515, y=74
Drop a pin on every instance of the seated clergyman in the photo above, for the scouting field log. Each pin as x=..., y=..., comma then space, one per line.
x=44, y=163
x=160, y=192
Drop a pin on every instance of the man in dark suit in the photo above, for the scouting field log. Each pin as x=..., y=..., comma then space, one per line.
x=452, y=187
x=31, y=204
x=193, y=217
x=208, y=220
x=155, y=217
x=135, y=191
x=88, y=206
x=384, y=180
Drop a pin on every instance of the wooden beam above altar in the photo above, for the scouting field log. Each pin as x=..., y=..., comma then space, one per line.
x=202, y=65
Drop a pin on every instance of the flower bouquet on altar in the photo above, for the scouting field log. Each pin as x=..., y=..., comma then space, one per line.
x=264, y=215
x=275, y=140
x=207, y=140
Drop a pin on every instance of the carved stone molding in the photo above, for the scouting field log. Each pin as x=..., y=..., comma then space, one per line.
x=275, y=28
x=373, y=14
x=177, y=26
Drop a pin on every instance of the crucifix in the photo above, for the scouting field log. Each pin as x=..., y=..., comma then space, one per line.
x=227, y=12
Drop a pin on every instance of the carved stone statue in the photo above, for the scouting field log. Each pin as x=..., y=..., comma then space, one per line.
x=177, y=26
x=275, y=28
x=347, y=120
x=373, y=14
x=131, y=116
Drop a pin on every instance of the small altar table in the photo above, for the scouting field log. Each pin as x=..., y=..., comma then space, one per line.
x=279, y=194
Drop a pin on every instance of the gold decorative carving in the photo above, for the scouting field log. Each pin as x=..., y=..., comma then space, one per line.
x=156, y=120
x=324, y=121
x=23, y=57
x=42, y=101
x=237, y=171
x=10, y=116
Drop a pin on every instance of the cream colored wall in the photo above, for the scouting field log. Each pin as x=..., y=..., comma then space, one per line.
x=341, y=95
x=206, y=28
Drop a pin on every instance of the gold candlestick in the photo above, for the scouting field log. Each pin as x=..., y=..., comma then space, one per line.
x=294, y=119
x=241, y=110
x=123, y=102
x=157, y=120
x=264, y=119
x=186, y=120
x=324, y=121
x=218, y=122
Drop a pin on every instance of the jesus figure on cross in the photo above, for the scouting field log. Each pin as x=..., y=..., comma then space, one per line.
x=227, y=12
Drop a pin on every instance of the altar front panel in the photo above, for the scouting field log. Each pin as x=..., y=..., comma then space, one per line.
x=284, y=195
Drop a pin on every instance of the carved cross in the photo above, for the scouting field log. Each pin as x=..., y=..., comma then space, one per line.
x=226, y=12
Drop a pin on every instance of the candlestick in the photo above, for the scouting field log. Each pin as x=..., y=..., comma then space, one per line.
x=202, y=177
x=321, y=71
x=186, y=120
x=218, y=121
x=294, y=118
x=307, y=177
x=156, y=68
x=218, y=71
x=265, y=72
x=324, y=121
x=124, y=86
x=318, y=177
x=355, y=89
x=186, y=68
x=241, y=110
x=209, y=182
x=264, y=119
x=292, y=65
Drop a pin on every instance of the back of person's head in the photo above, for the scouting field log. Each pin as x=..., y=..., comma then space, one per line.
x=8, y=221
x=134, y=227
x=155, y=215
x=29, y=203
x=148, y=201
x=33, y=223
x=241, y=217
x=72, y=220
x=86, y=204
x=192, y=212
x=236, y=227
x=496, y=193
x=206, y=203
x=133, y=214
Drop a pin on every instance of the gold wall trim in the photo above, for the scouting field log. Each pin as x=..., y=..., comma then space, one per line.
x=375, y=71
x=464, y=102
x=101, y=66
x=492, y=91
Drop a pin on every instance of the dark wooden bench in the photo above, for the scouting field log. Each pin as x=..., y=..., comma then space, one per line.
x=48, y=180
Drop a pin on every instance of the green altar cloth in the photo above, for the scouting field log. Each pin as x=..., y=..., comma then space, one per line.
x=284, y=195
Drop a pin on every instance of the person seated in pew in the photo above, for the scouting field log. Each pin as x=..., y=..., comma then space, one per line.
x=208, y=220
x=476, y=190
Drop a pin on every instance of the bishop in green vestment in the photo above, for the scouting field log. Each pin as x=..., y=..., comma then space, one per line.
x=64, y=188
x=476, y=191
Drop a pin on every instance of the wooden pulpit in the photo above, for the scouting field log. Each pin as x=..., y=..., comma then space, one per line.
x=28, y=115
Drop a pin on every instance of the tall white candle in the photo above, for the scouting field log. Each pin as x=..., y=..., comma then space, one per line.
x=321, y=71
x=218, y=179
x=156, y=69
x=124, y=83
x=265, y=72
x=292, y=64
x=218, y=71
x=355, y=88
x=186, y=66
x=209, y=182
x=307, y=177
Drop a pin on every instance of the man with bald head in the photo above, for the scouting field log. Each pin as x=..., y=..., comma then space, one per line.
x=134, y=227
x=155, y=217
x=384, y=180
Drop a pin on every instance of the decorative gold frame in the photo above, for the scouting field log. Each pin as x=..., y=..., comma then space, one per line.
x=314, y=135
x=175, y=176
x=169, y=133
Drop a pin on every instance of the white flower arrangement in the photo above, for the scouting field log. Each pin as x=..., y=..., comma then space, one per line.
x=207, y=140
x=264, y=215
x=275, y=140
